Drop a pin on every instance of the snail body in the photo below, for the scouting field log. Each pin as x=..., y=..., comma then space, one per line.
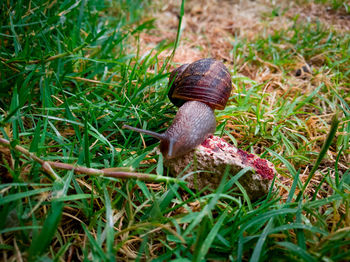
x=198, y=89
x=193, y=122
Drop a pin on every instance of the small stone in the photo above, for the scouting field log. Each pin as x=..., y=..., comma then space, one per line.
x=213, y=155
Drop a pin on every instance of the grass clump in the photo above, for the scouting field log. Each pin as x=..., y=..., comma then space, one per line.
x=72, y=74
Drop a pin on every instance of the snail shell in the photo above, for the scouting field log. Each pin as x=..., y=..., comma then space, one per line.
x=198, y=89
x=206, y=80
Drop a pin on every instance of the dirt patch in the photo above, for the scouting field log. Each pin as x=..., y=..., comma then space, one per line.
x=213, y=28
x=210, y=28
x=337, y=20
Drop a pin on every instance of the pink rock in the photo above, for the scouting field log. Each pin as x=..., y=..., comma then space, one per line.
x=213, y=155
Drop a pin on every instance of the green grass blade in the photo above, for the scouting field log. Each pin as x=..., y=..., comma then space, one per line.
x=259, y=245
x=109, y=226
x=298, y=251
x=41, y=242
x=293, y=187
x=326, y=145
x=211, y=204
x=96, y=246
x=290, y=168
x=299, y=232
x=210, y=238
x=14, y=197
x=178, y=33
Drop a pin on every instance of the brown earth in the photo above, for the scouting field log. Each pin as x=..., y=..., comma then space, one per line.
x=210, y=27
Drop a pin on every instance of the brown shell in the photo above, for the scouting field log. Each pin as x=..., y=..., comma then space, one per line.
x=205, y=80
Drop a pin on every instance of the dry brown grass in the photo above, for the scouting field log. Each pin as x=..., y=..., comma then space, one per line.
x=209, y=27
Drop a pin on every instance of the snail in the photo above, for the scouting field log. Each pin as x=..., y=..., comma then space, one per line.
x=197, y=89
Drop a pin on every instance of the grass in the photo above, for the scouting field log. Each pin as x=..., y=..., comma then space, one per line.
x=72, y=74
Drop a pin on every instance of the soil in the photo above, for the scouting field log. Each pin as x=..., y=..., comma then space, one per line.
x=210, y=27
